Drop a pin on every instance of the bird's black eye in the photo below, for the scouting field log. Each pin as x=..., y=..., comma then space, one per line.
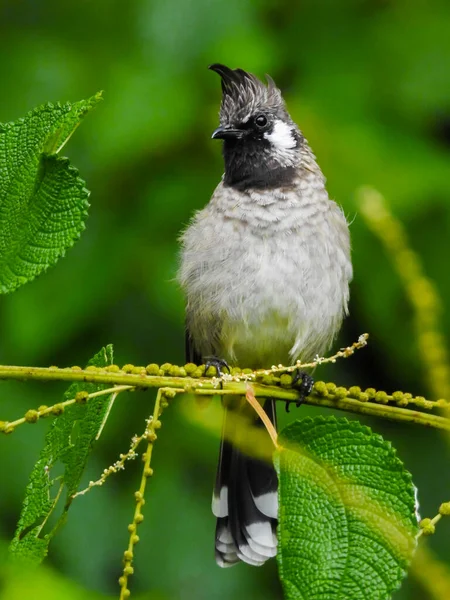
x=261, y=121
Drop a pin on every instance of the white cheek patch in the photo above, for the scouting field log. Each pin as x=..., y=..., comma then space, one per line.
x=281, y=136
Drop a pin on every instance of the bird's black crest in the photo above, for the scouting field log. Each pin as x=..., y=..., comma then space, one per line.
x=243, y=94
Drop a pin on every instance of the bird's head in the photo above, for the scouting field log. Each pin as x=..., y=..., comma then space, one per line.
x=261, y=142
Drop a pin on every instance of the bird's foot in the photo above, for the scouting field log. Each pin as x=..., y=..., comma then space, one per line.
x=217, y=363
x=305, y=387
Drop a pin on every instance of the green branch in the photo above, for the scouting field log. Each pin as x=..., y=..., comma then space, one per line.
x=153, y=424
x=369, y=402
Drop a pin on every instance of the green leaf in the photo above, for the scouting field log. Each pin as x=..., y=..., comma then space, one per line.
x=43, y=201
x=347, y=520
x=61, y=465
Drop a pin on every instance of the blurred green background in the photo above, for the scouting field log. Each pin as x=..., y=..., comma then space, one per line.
x=368, y=82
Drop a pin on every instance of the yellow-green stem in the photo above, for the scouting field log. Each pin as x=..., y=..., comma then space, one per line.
x=47, y=411
x=328, y=395
x=153, y=424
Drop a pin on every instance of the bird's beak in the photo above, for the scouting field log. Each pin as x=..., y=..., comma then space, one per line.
x=226, y=132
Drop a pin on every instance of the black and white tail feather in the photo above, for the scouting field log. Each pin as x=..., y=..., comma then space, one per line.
x=245, y=502
x=245, y=497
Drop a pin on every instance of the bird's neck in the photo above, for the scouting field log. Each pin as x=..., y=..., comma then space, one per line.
x=247, y=167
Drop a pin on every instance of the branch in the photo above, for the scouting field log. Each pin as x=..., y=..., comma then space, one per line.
x=276, y=383
x=368, y=402
x=153, y=375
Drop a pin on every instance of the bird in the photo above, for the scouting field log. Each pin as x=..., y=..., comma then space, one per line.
x=265, y=269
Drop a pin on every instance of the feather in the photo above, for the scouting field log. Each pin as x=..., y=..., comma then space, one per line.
x=246, y=503
x=191, y=354
x=243, y=93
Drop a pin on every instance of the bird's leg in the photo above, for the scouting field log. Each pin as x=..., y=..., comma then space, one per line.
x=218, y=363
x=304, y=388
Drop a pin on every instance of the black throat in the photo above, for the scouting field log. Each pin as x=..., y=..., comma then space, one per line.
x=249, y=165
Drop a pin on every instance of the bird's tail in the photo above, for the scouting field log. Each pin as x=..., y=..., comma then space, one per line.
x=245, y=502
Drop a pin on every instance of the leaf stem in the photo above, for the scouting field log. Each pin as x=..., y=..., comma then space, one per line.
x=251, y=399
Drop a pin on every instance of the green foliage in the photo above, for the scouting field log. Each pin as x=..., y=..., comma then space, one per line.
x=42, y=582
x=347, y=521
x=68, y=443
x=43, y=201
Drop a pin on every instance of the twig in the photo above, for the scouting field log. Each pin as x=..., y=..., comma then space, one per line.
x=119, y=465
x=427, y=526
x=248, y=375
x=153, y=424
x=32, y=416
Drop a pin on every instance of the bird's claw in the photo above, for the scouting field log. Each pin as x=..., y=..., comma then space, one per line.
x=304, y=388
x=217, y=363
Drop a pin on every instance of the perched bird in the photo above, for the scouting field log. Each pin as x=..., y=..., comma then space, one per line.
x=265, y=268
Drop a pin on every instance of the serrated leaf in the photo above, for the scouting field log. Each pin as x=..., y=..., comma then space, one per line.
x=67, y=444
x=43, y=201
x=347, y=519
